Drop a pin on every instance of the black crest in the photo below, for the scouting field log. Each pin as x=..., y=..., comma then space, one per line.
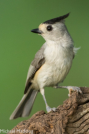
x=52, y=21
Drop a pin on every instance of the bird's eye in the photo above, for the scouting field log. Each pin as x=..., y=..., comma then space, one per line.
x=49, y=28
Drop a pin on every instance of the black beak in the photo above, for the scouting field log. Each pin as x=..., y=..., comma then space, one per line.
x=36, y=31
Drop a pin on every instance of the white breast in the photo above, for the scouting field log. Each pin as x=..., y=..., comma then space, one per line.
x=57, y=65
x=60, y=60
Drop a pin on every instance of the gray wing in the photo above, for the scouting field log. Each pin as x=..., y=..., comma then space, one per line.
x=38, y=61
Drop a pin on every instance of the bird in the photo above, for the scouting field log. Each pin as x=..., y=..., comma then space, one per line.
x=50, y=65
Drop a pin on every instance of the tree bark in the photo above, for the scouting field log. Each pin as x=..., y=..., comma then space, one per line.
x=70, y=118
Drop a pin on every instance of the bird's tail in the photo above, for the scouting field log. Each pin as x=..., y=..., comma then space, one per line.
x=24, y=107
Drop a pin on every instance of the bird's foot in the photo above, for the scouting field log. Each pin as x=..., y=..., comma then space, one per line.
x=70, y=88
x=73, y=88
x=50, y=109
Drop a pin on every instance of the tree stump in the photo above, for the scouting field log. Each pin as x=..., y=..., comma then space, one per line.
x=70, y=118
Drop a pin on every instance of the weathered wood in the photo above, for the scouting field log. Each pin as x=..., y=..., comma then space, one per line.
x=70, y=118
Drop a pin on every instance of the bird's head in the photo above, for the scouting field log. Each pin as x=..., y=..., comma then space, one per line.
x=52, y=29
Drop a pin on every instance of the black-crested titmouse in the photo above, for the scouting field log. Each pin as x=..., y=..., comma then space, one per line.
x=50, y=65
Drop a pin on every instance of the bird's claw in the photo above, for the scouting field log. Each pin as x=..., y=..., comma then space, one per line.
x=73, y=88
x=50, y=109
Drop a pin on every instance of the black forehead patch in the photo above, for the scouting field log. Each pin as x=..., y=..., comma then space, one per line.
x=52, y=21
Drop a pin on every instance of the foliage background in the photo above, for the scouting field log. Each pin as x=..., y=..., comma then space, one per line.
x=18, y=47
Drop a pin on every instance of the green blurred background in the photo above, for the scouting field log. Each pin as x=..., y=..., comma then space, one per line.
x=18, y=47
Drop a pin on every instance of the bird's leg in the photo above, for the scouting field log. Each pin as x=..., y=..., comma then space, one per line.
x=70, y=88
x=47, y=107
